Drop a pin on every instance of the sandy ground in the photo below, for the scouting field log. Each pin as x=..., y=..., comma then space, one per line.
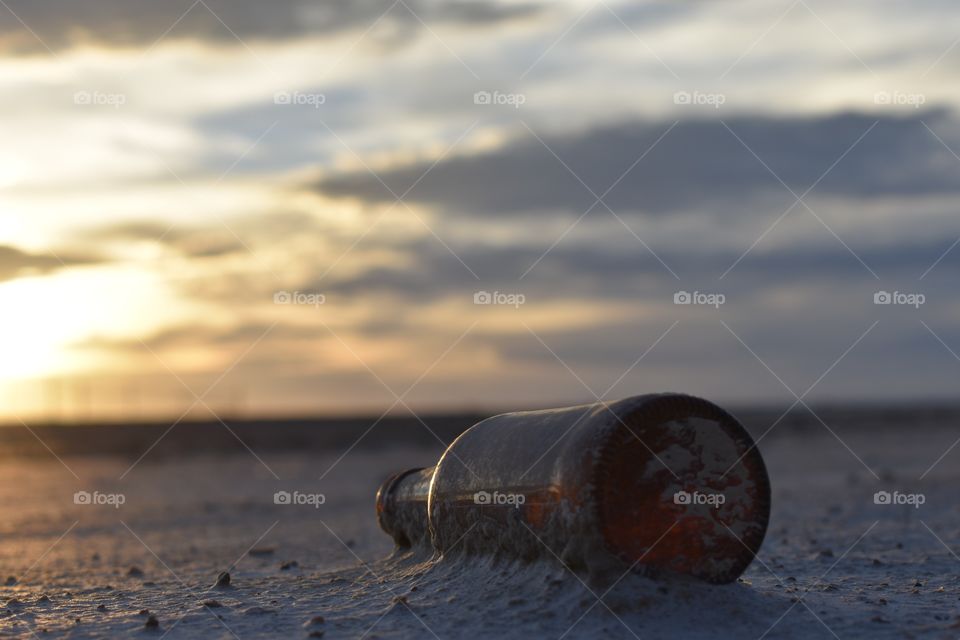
x=834, y=563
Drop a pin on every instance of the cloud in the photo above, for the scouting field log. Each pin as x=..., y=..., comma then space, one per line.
x=237, y=236
x=15, y=263
x=699, y=164
x=607, y=271
x=813, y=291
x=193, y=243
x=61, y=24
x=198, y=334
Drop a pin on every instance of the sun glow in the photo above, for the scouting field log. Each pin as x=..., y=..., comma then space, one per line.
x=36, y=327
x=11, y=172
x=45, y=318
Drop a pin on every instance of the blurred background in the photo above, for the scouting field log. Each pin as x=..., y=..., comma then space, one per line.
x=335, y=208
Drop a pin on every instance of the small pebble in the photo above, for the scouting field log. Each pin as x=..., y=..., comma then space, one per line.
x=152, y=623
x=135, y=572
x=223, y=580
x=289, y=565
x=101, y=607
x=144, y=612
x=314, y=621
x=11, y=581
x=262, y=551
x=213, y=604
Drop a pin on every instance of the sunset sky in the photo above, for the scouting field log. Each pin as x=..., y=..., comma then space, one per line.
x=168, y=169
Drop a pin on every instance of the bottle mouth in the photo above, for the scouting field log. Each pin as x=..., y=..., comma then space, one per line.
x=387, y=515
x=682, y=487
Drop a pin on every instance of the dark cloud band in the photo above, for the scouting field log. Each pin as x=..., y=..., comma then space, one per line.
x=700, y=164
x=61, y=24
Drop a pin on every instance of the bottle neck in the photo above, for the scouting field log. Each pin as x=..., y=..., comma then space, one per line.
x=402, y=506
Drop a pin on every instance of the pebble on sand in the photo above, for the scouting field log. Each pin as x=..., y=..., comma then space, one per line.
x=314, y=621
x=261, y=551
x=135, y=572
x=11, y=581
x=152, y=623
x=213, y=604
x=223, y=580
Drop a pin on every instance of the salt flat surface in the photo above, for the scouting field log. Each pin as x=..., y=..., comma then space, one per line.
x=834, y=564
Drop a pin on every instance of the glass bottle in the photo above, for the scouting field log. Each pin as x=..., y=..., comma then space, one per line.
x=658, y=482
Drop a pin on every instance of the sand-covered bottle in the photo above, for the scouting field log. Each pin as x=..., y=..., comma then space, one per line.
x=659, y=482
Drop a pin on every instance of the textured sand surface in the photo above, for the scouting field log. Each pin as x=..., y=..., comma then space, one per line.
x=834, y=564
